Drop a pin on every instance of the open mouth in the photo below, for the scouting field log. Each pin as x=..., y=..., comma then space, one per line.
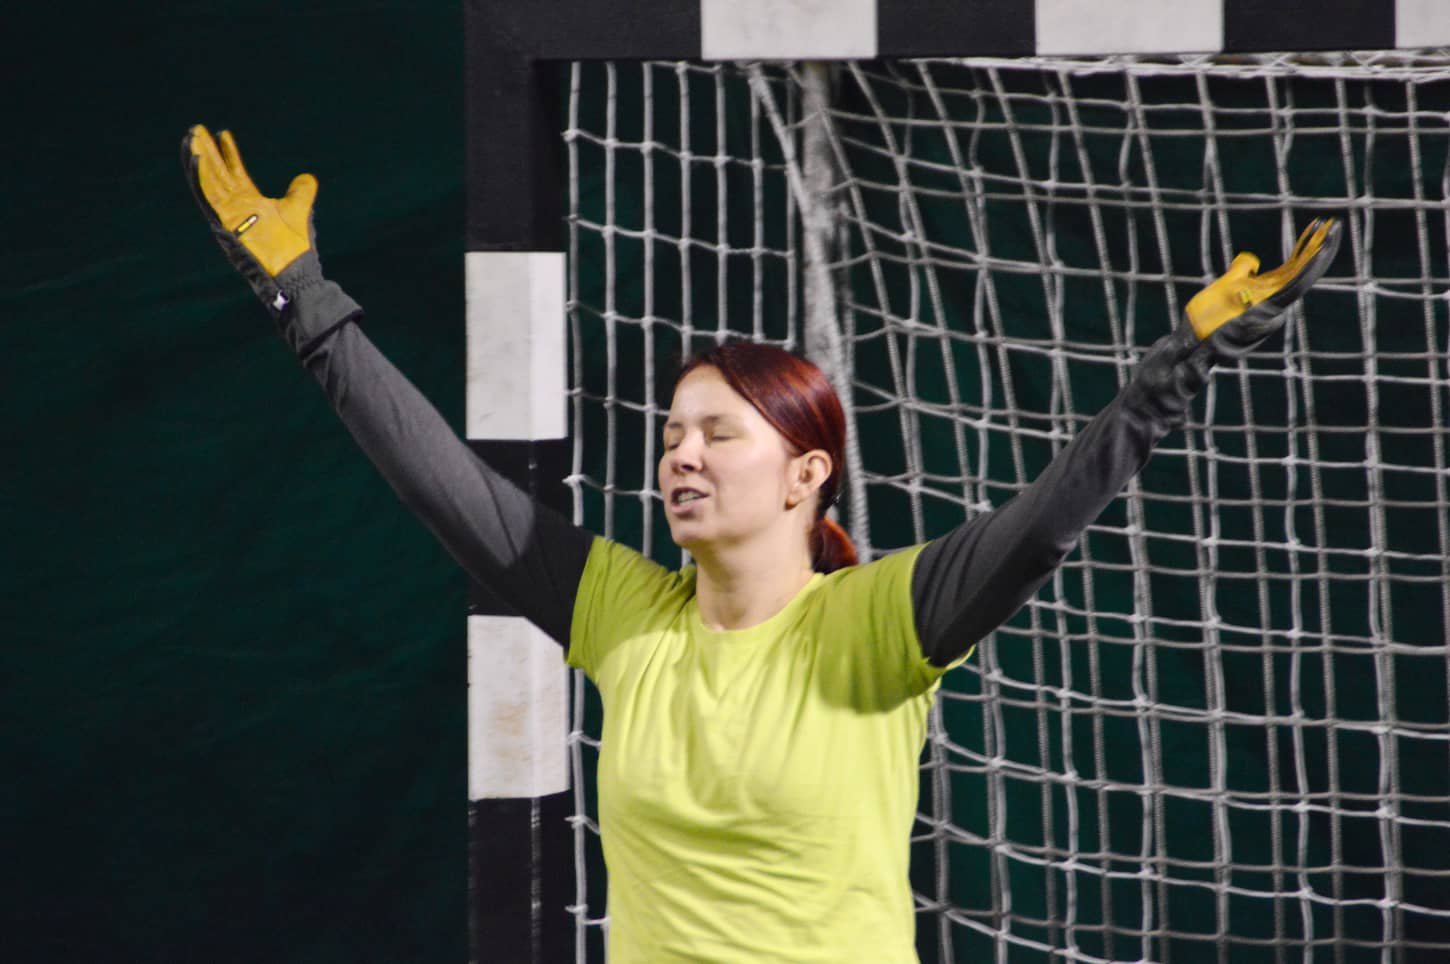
x=684, y=496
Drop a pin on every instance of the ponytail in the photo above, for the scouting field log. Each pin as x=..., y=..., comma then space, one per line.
x=831, y=548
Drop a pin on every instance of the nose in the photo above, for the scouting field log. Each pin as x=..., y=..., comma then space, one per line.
x=685, y=457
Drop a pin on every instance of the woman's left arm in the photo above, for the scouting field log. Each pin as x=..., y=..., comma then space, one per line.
x=968, y=582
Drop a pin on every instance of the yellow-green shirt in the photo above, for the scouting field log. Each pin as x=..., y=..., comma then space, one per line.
x=756, y=787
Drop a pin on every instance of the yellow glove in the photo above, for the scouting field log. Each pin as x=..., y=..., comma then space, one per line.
x=269, y=240
x=1224, y=321
x=1244, y=307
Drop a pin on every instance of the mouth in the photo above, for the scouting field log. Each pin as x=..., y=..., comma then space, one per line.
x=683, y=498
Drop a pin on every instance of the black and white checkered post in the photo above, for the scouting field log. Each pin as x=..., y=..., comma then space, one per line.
x=519, y=838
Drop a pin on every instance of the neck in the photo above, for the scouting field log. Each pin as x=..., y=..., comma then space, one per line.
x=740, y=586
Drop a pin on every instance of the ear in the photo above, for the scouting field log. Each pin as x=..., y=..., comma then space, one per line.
x=808, y=472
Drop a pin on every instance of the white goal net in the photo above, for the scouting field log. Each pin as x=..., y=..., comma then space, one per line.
x=1221, y=731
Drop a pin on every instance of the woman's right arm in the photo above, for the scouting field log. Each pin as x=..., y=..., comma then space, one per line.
x=527, y=554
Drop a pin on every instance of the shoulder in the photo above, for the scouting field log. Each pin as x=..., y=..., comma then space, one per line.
x=616, y=567
x=881, y=578
x=621, y=594
x=875, y=596
x=867, y=622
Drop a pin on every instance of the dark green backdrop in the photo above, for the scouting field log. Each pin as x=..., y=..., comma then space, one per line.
x=231, y=678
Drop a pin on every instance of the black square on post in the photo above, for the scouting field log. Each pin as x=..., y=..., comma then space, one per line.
x=1258, y=25
x=927, y=28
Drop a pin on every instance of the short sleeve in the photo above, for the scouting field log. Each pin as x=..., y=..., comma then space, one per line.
x=870, y=629
x=621, y=595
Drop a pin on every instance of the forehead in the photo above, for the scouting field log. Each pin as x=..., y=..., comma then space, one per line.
x=704, y=393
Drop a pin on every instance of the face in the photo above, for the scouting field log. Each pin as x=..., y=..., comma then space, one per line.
x=726, y=474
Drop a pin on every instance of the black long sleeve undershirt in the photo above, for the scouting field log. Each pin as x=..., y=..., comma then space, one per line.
x=965, y=583
x=971, y=580
x=528, y=554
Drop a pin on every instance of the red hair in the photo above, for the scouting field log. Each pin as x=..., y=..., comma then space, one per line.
x=797, y=399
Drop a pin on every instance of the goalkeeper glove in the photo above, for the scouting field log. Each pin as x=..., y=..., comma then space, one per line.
x=1242, y=308
x=269, y=240
x=1225, y=320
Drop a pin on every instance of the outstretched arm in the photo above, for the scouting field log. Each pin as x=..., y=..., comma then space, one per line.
x=526, y=553
x=973, y=579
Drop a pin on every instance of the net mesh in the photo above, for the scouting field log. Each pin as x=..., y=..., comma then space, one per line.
x=1221, y=731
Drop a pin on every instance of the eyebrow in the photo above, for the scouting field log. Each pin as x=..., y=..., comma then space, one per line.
x=707, y=420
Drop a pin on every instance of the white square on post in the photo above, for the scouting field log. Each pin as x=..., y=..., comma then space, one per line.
x=516, y=359
x=1422, y=23
x=787, y=29
x=518, y=710
x=1129, y=26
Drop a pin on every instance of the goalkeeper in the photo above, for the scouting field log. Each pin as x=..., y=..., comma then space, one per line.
x=764, y=708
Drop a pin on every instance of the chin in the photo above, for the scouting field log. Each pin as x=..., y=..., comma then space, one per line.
x=686, y=540
x=688, y=536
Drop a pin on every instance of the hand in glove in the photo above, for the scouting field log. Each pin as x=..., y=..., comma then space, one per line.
x=1230, y=317
x=1242, y=308
x=269, y=240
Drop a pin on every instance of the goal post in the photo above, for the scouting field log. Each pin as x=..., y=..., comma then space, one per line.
x=1221, y=731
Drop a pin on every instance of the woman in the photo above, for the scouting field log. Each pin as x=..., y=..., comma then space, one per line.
x=765, y=708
